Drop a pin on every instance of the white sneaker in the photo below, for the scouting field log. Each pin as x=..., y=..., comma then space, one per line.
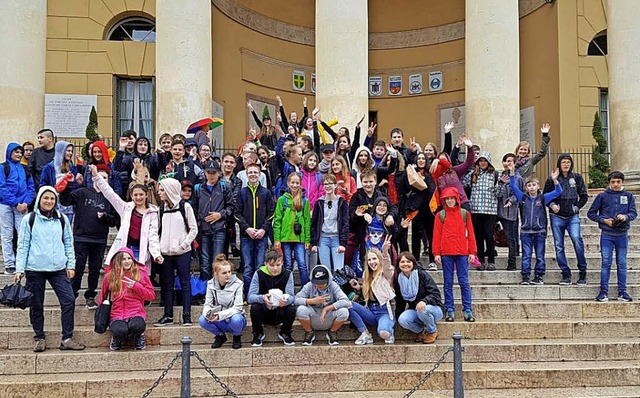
x=433, y=267
x=390, y=340
x=365, y=338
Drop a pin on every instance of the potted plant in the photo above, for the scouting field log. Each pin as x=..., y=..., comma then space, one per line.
x=600, y=164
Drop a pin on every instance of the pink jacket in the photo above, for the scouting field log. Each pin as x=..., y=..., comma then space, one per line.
x=312, y=185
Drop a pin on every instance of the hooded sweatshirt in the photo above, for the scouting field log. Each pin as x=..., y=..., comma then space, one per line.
x=483, y=198
x=262, y=281
x=228, y=297
x=175, y=239
x=15, y=188
x=610, y=204
x=336, y=295
x=52, y=172
x=130, y=302
x=574, y=191
x=355, y=167
x=533, y=214
x=454, y=236
x=45, y=247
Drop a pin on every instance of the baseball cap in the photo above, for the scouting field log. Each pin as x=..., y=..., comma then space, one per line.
x=327, y=148
x=319, y=275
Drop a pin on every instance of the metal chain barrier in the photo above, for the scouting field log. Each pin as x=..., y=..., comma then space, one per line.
x=163, y=374
x=216, y=378
x=429, y=373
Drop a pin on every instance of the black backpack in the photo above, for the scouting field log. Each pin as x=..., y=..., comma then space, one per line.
x=32, y=220
x=182, y=212
x=7, y=170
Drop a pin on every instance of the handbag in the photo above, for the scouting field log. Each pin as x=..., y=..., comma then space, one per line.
x=415, y=179
x=16, y=296
x=103, y=315
x=500, y=236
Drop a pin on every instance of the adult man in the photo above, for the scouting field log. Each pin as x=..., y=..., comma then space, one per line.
x=42, y=155
x=16, y=192
x=565, y=216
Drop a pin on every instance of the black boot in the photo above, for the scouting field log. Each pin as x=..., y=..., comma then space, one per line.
x=237, y=342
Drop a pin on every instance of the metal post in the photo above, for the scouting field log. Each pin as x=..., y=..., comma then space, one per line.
x=185, y=380
x=458, y=384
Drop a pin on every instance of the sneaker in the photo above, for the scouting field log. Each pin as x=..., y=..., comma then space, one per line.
x=420, y=337
x=566, y=280
x=624, y=296
x=450, y=316
x=582, y=278
x=433, y=267
x=286, y=339
x=425, y=253
x=115, y=344
x=186, y=319
x=332, y=338
x=40, y=346
x=219, y=340
x=476, y=263
x=602, y=297
x=141, y=342
x=71, y=345
x=525, y=281
x=91, y=304
x=537, y=280
x=390, y=340
x=164, y=321
x=365, y=338
x=511, y=268
x=237, y=342
x=430, y=338
x=468, y=316
x=10, y=270
x=257, y=340
x=309, y=338
x=491, y=267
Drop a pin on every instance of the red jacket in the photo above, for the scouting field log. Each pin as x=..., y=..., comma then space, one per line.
x=453, y=237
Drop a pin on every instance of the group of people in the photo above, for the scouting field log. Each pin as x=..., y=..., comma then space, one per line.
x=339, y=209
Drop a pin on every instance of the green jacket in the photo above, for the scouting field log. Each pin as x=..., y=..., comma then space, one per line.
x=285, y=217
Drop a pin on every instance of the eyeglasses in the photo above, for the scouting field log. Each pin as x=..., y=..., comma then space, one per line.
x=330, y=204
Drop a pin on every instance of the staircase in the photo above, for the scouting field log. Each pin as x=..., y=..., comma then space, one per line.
x=528, y=341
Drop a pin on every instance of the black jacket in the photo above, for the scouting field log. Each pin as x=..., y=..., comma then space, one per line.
x=357, y=224
x=428, y=292
x=39, y=158
x=254, y=210
x=317, y=220
x=87, y=227
x=574, y=191
x=218, y=198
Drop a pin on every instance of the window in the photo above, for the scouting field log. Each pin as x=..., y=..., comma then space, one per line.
x=133, y=29
x=604, y=117
x=598, y=45
x=135, y=107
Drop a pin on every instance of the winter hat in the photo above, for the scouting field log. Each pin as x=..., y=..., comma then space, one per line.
x=320, y=275
x=105, y=168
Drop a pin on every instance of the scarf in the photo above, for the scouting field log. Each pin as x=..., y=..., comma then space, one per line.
x=521, y=162
x=409, y=286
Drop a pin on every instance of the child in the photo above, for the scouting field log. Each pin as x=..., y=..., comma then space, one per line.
x=533, y=233
x=330, y=226
x=322, y=305
x=311, y=178
x=454, y=244
x=508, y=208
x=613, y=210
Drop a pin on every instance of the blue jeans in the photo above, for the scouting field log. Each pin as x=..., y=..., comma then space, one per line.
x=62, y=287
x=211, y=245
x=620, y=244
x=136, y=252
x=572, y=225
x=327, y=251
x=462, y=269
x=234, y=325
x=10, y=219
x=253, y=252
x=291, y=250
x=417, y=321
x=374, y=315
x=529, y=243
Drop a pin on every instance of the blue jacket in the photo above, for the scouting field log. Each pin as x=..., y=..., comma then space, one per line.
x=52, y=169
x=610, y=204
x=45, y=247
x=533, y=214
x=15, y=188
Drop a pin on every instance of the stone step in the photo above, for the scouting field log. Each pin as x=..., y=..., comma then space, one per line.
x=551, y=277
x=486, y=310
x=22, y=337
x=348, y=378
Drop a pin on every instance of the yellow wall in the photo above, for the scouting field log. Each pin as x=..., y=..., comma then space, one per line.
x=80, y=61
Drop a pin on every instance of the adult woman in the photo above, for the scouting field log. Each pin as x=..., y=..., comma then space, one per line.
x=223, y=310
x=346, y=184
x=177, y=229
x=377, y=291
x=330, y=226
x=311, y=178
x=418, y=291
x=45, y=254
x=60, y=168
x=292, y=226
x=127, y=284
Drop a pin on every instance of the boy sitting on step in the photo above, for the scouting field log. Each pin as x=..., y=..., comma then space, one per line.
x=613, y=210
x=533, y=216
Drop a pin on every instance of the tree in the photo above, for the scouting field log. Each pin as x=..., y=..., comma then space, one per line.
x=600, y=167
x=91, y=132
x=265, y=112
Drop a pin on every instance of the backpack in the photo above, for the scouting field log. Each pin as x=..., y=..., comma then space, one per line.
x=182, y=213
x=32, y=220
x=7, y=170
x=464, y=215
x=281, y=181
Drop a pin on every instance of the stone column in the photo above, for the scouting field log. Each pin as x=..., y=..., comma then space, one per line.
x=623, y=35
x=342, y=63
x=23, y=29
x=492, y=75
x=183, y=64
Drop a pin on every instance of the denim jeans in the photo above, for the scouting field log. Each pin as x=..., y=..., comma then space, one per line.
x=511, y=231
x=291, y=250
x=327, y=251
x=462, y=269
x=94, y=252
x=607, y=244
x=253, y=252
x=212, y=245
x=572, y=225
x=136, y=251
x=10, y=219
x=234, y=325
x=171, y=264
x=62, y=287
x=529, y=243
x=374, y=315
x=417, y=321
